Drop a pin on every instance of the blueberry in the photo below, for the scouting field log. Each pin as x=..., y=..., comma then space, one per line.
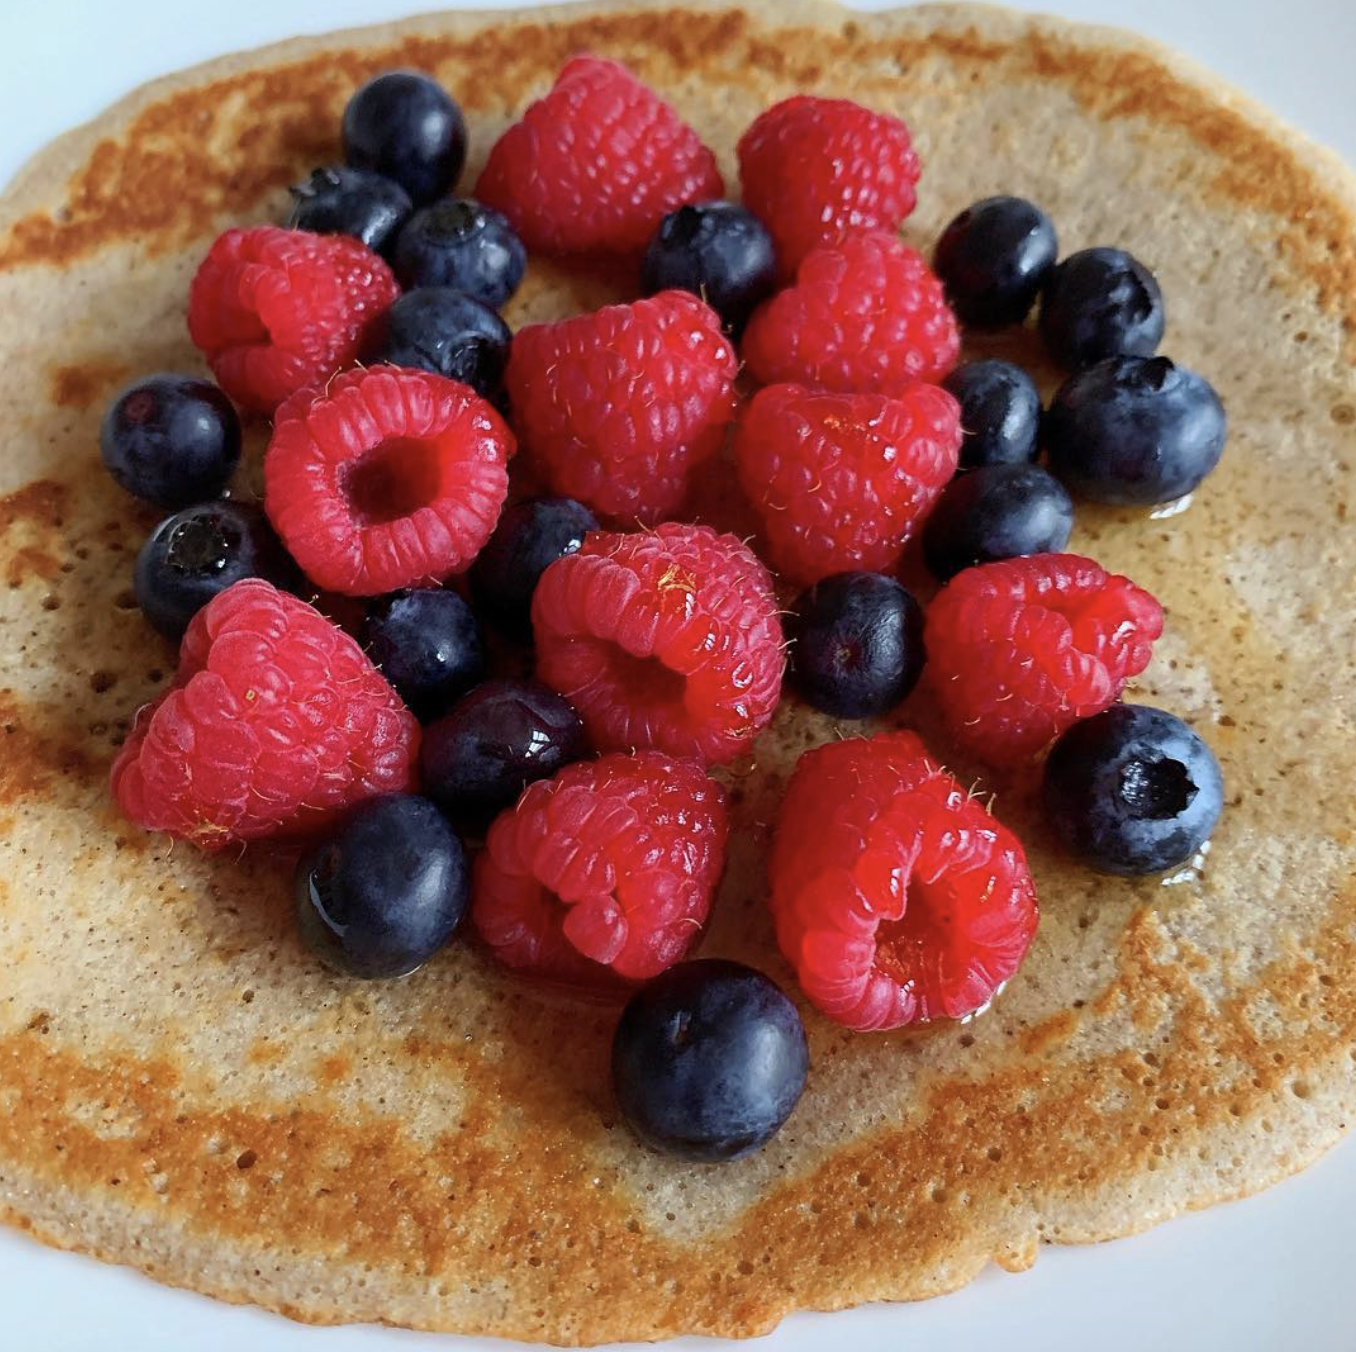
x=529, y=538
x=716, y=250
x=1134, y=431
x=464, y=245
x=338, y=200
x=1000, y=413
x=1100, y=303
x=440, y=330
x=856, y=644
x=427, y=644
x=1132, y=790
x=406, y=126
x=171, y=440
x=478, y=758
x=993, y=258
x=387, y=892
x=709, y=1060
x=199, y=552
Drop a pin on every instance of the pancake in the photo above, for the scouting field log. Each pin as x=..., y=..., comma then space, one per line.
x=184, y=1090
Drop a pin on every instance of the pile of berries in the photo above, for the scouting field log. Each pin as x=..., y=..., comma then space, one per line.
x=367, y=330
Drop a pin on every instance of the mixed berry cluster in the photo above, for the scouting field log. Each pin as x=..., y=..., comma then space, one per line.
x=367, y=330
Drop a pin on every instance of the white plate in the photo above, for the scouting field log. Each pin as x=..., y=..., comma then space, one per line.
x=1269, y=1273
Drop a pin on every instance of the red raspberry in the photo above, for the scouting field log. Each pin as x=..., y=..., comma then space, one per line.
x=813, y=167
x=385, y=478
x=594, y=166
x=864, y=314
x=668, y=638
x=897, y=897
x=1021, y=649
x=273, y=310
x=842, y=480
x=618, y=406
x=275, y=723
x=611, y=864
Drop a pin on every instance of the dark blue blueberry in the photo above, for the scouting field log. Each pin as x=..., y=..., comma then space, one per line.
x=427, y=643
x=716, y=250
x=406, y=126
x=709, y=1060
x=478, y=758
x=1132, y=790
x=1100, y=303
x=993, y=258
x=464, y=245
x=387, y=892
x=1000, y=413
x=856, y=644
x=440, y=330
x=172, y=440
x=1134, y=431
x=339, y=200
x=529, y=538
x=199, y=552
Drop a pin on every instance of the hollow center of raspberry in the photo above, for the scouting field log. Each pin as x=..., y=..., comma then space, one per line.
x=906, y=949
x=391, y=481
x=646, y=682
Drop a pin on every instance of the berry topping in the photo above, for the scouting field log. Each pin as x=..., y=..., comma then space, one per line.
x=815, y=167
x=856, y=644
x=464, y=245
x=1132, y=790
x=387, y=892
x=841, y=481
x=337, y=200
x=993, y=258
x=1135, y=431
x=708, y=1061
x=610, y=865
x=447, y=332
x=386, y=478
x=667, y=638
x=1000, y=413
x=898, y=898
x=1100, y=303
x=171, y=440
x=594, y=166
x=1022, y=649
x=617, y=407
x=275, y=723
x=427, y=643
x=274, y=310
x=864, y=314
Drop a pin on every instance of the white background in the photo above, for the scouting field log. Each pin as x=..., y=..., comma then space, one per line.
x=1274, y=1272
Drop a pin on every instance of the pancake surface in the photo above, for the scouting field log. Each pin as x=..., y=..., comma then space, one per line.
x=182, y=1089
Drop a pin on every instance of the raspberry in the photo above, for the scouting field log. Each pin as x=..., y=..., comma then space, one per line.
x=275, y=723
x=594, y=166
x=897, y=897
x=814, y=167
x=618, y=406
x=611, y=864
x=385, y=478
x=273, y=310
x=842, y=480
x=668, y=638
x=1021, y=649
x=864, y=314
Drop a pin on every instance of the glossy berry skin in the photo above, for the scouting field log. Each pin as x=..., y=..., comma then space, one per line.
x=339, y=200
x=998, y=512
x=856, y=644
x=1000, y=413
x=495, y=741
x=462, y=244
x=1135, y=431
x=448, y=333
x=1100, y=303
x=715, y=250
x=171, y=440
x=708, y=1061
x=530, y=537
x=427, y=643
x=1132, y=791
x=993, y=259
x=406, y=126
x=386, y=892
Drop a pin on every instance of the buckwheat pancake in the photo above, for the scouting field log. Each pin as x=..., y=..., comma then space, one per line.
x=183, y=1089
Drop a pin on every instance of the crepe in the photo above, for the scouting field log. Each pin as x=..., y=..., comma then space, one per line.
x=182, y=1088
